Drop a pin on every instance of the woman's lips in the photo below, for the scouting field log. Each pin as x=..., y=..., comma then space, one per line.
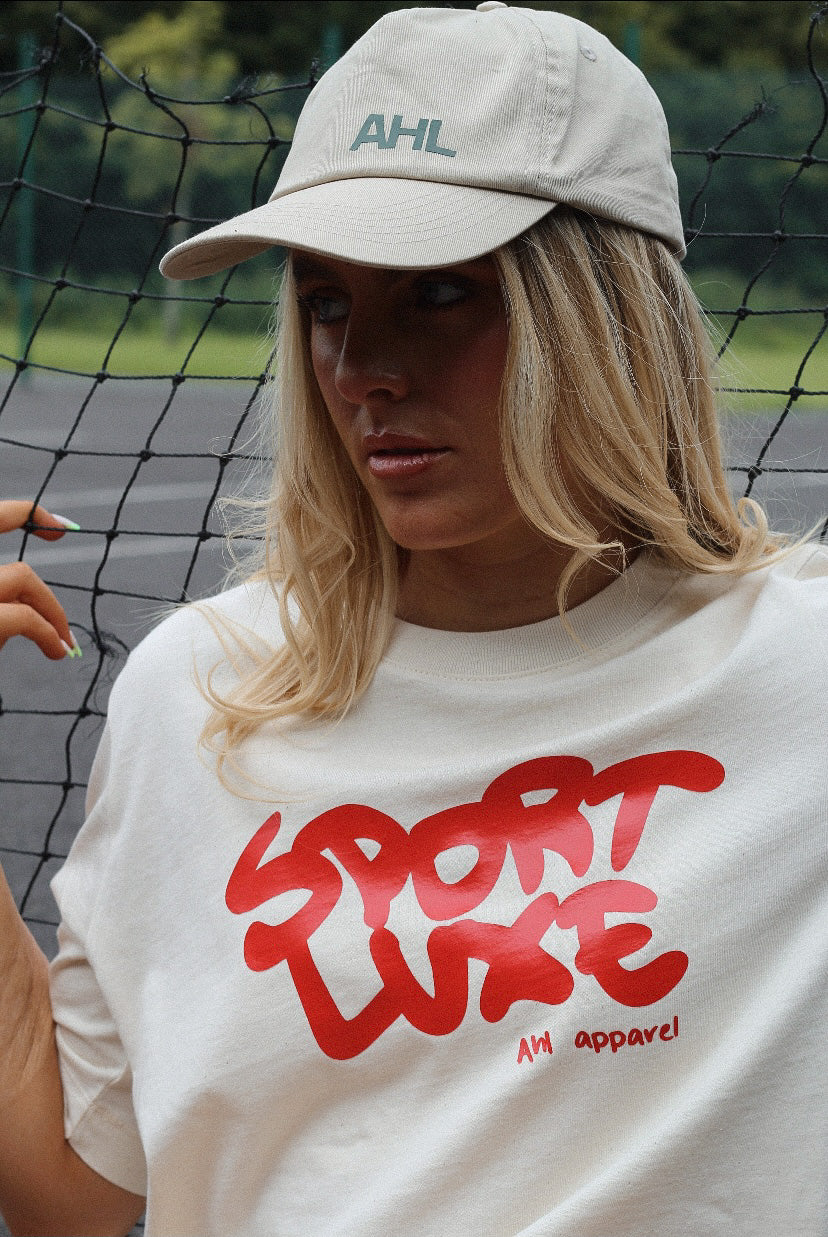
x=404, y=462
x=392, y=455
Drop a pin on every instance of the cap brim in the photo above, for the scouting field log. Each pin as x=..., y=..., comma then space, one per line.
x=375, y=221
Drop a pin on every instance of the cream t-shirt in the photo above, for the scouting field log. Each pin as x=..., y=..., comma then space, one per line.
x=532, y=942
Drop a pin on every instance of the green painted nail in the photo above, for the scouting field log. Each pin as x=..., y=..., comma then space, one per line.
x=70, y=524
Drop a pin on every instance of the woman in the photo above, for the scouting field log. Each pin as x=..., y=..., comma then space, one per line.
x=489, y=903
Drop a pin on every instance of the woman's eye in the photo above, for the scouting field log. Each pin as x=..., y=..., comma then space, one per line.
x=324, y=308
x=441, y=292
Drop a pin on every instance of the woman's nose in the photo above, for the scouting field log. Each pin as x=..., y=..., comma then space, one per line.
x=372, y=362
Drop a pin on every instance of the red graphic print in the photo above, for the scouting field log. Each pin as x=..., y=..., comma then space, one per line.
x=518, y=967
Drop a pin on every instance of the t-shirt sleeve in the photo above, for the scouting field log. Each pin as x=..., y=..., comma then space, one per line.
x=97, y=1080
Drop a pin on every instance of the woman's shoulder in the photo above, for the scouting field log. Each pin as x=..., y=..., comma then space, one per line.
x=781, y=606
x=802, y=572
x=192, y=639
x=792, y=585
x=806, y=562
x=250, y=606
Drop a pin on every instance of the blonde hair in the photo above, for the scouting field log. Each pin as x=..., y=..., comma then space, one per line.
x=608, y=420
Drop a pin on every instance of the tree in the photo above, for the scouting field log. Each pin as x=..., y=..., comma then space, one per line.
x=284, y=36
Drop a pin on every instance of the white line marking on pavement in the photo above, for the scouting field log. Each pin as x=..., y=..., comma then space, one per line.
x=138, y=548
x=112, y=495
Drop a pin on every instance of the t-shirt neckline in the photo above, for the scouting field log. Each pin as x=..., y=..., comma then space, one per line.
x=427, y=652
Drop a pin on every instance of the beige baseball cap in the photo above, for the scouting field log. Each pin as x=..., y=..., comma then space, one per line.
x=444, y=133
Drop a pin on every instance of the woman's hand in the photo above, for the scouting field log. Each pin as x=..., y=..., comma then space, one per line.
x=27, y=607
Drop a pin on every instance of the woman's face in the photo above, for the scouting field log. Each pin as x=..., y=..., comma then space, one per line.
x=410, y=365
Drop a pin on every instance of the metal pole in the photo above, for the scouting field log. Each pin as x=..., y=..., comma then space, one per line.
x=26, y=53
x=632, y=42
x=332, y=40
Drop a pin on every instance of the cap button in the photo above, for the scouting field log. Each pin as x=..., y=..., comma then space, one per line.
x=488, y=5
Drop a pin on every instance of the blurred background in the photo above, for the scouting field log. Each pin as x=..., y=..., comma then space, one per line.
x=712, y=63
x=126, y=402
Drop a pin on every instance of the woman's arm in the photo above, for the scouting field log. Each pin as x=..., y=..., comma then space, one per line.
x=45, y=1187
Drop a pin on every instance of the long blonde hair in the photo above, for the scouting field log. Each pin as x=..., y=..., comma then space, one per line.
x=608, y=419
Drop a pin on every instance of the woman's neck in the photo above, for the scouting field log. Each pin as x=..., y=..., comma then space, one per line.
x=461, y=590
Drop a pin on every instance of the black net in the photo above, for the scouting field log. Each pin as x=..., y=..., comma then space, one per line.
x=125, y=402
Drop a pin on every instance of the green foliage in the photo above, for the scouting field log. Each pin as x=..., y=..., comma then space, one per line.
x=743, y=190
x=113, y=165
x=178, y=50
x=283, y=36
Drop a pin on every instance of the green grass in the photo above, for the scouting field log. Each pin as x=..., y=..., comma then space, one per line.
x=766, y=354
x=773, y=364
x=767, y=349
x=218, y=354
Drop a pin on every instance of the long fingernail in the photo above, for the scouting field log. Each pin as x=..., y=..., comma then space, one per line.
x=73, y=649
x=70, y=524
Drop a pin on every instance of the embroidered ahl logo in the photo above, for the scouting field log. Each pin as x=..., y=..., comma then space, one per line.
x=425, y=135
